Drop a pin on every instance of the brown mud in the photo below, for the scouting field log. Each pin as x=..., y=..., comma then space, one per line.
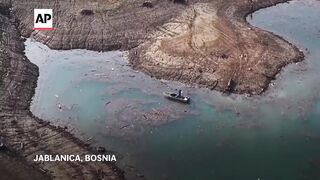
x=26, y=135
x=212, y=45
x=15, y=168
x=203, y=42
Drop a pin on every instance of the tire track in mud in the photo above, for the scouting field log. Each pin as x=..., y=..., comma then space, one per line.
x=232, y=57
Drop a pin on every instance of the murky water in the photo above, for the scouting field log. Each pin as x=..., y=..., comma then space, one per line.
x=275, y=136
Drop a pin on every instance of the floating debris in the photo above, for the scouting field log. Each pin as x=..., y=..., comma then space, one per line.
x=59, y=106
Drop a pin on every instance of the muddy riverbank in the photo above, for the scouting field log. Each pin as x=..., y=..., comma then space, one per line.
x=212, y=45
x=206, y=43
x=26, y=135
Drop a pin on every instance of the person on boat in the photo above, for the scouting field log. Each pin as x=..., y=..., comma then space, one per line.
x=180, y=92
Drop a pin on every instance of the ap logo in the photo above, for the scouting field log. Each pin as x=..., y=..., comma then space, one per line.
x=43, y=19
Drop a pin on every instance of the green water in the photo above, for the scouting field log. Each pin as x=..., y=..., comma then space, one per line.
x=275, y=136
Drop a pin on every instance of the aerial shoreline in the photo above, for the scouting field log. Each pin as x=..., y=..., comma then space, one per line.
x=14, y=112
x=208, y=44
x=244, y=68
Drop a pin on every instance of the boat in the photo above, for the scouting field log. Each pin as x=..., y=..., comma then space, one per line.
x=177, y=97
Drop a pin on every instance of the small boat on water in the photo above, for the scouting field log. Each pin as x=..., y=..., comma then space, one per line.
x=177, y=97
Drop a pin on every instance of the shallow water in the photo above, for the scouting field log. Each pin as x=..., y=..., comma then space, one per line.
x=275, y=136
